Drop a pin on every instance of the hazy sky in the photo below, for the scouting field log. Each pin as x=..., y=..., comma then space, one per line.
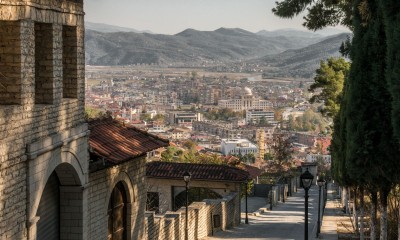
x=173, y=16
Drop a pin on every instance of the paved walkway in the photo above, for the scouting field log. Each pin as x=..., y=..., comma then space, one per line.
x=329, y=223
x=284, y=222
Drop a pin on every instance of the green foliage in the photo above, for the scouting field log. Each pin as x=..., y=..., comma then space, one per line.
x=329, y=79
x=159, y=117
x=145, y=117
x=93, y=113
x=309, y=121
x=391, y=15
x=268, y=156
x=246, y=186
x=320, y=13
x=223, y=114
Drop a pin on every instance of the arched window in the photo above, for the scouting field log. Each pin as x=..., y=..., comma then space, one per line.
x=117, y=228
x=195, y=194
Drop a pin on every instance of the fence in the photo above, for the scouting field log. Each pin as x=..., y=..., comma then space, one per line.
x=204, y=218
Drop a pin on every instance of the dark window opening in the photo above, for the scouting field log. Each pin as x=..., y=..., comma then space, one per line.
x=44, y=76
x=10, y=63
x=117, y=212
x=153, y=202
x=70, y=66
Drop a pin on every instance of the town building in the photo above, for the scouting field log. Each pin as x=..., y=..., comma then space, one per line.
x=312, y=158
x=183, y=118
x=245, y=101
x=238, y=147
x=259, y=115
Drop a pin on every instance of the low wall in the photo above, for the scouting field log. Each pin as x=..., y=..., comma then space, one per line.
x=203, y=219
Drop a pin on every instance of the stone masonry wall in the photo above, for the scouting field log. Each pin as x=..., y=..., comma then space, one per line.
x=102, y=182
x=22, y=122
x=201, y=217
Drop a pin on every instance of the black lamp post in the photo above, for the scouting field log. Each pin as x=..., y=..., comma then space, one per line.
x=186, y=178
x=320, y=183
x=246, y=221
x=306, y=181
x=270, y=195
x=290, y=184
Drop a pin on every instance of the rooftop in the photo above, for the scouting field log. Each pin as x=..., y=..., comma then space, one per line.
x=117, y=143
x=202, y=172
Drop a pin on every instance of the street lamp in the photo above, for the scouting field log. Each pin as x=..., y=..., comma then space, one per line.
x=246, y=221
x=306, y=180
x=320, y=183
x=270, y=194
x=186, y=178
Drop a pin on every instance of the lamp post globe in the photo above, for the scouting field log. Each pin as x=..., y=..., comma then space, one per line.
x=306, y=181
x=186, y=178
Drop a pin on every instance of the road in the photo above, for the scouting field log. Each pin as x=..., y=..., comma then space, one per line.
x=284, y=222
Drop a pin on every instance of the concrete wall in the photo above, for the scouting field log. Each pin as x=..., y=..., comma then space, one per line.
x=171, y=225
x=102, y=182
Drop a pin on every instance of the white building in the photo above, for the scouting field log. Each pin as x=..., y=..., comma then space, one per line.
x=246, y=101
x=238, y=146
x=255, y=115
x=312, y=158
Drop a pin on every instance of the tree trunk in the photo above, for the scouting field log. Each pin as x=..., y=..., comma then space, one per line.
x=361, y=214
x=355, y=213
x=345, y=199
x=384, y=214
x=374, y=201
x=398, y=225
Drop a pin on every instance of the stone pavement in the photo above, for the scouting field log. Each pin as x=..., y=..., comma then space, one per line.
x=286, y=221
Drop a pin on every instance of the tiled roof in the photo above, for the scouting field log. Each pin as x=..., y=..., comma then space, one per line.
x=208, y=172
x=253, y=171
x=117, y=143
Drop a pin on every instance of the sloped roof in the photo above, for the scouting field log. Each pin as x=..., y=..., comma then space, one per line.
x=205, y=172
x=116, y=143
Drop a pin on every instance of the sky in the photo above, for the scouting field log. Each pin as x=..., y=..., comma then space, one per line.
x=174, y=16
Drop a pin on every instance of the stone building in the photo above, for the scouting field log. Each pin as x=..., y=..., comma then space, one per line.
x=116, y=191
x=50, y=187
x=43, y=136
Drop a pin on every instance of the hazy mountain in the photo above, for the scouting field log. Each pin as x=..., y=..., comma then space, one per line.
x=189, y=46
x=289, y=33
x=102, y=27
x=303, y=62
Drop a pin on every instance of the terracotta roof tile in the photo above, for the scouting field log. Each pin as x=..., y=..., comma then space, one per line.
x=117, y=143
x=209, y=172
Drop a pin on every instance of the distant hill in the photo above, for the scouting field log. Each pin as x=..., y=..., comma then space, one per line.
x=289, y=33
x=303, y=62
x=101, y=27
x=189, y=46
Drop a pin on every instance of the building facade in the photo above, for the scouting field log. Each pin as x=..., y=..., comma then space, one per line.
x=43, y=137
x=238, y=147
x=257, y=115
x=246, y=101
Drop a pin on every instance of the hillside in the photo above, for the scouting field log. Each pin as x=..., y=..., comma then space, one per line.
x=187, y=47
x=302, y=62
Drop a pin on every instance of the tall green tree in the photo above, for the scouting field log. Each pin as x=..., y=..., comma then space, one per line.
x=391, y=13
x=372, y=152
x=329, y=81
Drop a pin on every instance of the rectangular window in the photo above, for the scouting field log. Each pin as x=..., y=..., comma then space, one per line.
x=10, y=63
x=70, y=66
x=153, y=202
x=44, y=76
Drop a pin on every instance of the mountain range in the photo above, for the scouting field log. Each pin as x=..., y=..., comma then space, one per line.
x=287, y=48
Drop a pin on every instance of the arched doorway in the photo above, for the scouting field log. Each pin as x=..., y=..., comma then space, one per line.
x=195, y=194
x=60, y=210
x=48, y=226
x=117, y=213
